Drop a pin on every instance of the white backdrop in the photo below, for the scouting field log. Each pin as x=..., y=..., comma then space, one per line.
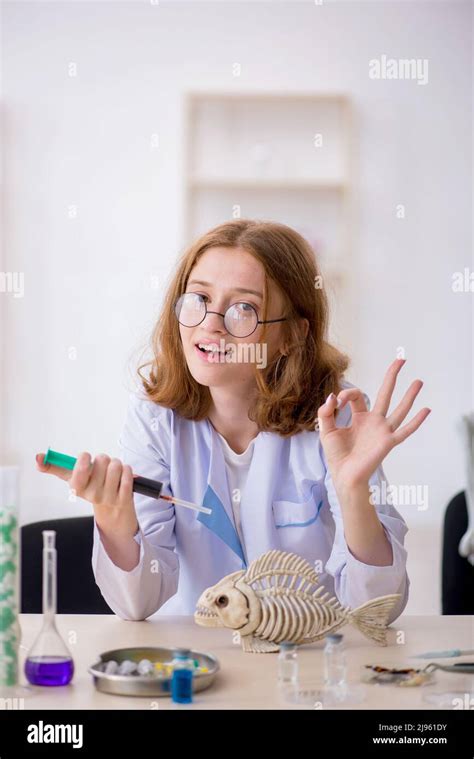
x=92, y=212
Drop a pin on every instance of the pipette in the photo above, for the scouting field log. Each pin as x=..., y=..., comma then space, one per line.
x=141, y=485
x=450, y=653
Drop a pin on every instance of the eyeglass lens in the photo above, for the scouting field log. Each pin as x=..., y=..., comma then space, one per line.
x=240, y=319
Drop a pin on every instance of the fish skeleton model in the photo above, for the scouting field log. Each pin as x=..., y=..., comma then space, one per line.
x=278, y=598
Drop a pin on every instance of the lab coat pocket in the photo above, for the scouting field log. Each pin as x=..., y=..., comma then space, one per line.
x=297, y=524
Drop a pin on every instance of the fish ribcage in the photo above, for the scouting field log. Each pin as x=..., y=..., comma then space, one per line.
x=291, y=616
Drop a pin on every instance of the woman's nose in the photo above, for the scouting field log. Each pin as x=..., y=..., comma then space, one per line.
x=214, y=322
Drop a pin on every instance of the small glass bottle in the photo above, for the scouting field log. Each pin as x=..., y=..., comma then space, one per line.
x=182, y=676
x=335, y=661
x=48, y=661
x=288, y=663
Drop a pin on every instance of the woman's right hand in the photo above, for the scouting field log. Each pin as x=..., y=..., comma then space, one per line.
x=107, y=484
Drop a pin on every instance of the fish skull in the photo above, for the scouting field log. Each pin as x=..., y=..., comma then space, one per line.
x=223, y=605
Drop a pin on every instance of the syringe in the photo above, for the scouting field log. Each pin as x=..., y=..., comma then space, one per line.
x=141, y=485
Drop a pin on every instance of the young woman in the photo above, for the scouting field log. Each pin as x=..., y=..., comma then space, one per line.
x=245, y=410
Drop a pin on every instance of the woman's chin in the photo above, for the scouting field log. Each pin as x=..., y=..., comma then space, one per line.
x=207, y=374
x=215, y=375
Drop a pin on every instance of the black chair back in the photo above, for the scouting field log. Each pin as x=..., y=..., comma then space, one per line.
x=457, y=572
x=77, y=591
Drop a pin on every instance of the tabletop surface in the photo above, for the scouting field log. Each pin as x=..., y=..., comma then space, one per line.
x=247, y=681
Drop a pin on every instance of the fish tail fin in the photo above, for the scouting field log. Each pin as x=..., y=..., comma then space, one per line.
x=371, y=618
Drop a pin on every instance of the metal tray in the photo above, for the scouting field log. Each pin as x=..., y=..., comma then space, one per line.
x=144, y=685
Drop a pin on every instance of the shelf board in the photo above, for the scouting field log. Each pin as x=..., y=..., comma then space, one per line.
x=266, y=95
x=261, y=183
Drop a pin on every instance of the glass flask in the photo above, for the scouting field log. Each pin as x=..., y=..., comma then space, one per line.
x=49, y=661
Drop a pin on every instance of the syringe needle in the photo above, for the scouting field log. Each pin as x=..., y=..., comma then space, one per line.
x=188, y=504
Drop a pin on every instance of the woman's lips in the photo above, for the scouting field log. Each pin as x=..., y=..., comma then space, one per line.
x=208, y=357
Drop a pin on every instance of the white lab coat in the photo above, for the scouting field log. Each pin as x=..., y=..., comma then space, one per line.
x=289, y=502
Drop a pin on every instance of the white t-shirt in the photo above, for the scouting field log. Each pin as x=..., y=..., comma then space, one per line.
x=237, y=465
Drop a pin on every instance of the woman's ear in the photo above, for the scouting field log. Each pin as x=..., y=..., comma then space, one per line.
x=305, y=327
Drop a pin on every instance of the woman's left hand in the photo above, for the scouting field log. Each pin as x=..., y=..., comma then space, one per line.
x=354, y=453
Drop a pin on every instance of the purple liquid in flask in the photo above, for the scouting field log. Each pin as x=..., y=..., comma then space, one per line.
x=48, y=661
x=49, y=670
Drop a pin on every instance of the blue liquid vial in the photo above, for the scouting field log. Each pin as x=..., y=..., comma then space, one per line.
x=49, y=661
x=182, y=677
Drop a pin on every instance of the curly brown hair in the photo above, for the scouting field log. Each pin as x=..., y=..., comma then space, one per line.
x=291, y=387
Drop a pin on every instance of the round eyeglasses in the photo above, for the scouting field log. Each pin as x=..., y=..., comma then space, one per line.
x=240, y=319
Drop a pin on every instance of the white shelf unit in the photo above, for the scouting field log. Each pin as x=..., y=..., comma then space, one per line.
x=272, y=155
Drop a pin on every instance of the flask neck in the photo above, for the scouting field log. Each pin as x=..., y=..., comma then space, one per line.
x=49, y=583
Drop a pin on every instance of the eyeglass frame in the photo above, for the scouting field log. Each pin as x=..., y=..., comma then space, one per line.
x=259, y=321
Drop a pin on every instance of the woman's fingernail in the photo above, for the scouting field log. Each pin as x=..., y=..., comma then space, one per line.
x=330, y=398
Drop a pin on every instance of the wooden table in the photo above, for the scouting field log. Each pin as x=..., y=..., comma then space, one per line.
x=245, y=681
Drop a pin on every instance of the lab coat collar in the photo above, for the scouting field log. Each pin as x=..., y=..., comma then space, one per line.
x=217, y=498
x=257, y=521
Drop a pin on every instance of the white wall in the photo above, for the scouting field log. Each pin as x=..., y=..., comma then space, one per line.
x=90, y=281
